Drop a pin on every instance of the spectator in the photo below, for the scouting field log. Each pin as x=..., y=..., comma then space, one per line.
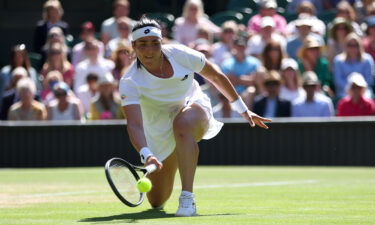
x=87, y=92
x=56, y=60
x=353, y=59
x=338, y=31
x=93, y=64
x=313, y=104
x=122, y=57
x=241, y=70
x=271, y=105
x=355, y=103
x=272, y=56
x=55, y=35
x=267, y=8
x=266, y=34
x=109, y=30
x=52, y=77
x=221, y=49
x=369, y=40
x=27, y=108
x=63, y=107
x=18, y=58
x=186, y=27
x=303, y=25
x=52, y=14
x=106, y=105
x=310, y=58
x=87, y=34
x=291, y=88
x=294, y=5
x=306, y=8
x=345, y=10
x=10, y=95
x=123, y=26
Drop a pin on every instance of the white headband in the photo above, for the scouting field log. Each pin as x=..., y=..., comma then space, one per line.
x=146, y=31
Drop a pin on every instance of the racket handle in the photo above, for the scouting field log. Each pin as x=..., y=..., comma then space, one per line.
x=151, y=168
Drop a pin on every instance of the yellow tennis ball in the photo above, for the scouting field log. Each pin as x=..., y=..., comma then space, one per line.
x=144, y=184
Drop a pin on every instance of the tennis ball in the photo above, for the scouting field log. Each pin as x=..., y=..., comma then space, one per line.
x=144, y=184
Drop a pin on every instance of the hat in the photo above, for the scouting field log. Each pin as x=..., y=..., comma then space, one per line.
x=203, y=47
x=310, y=78
x=289, y=63
x=267, y=21
x=272, y=76
x=106, y=79
x=370, y=21
x=309, y=42
x=60, y=87
x=357, y=79
x=304, y=19
x=20, y=71
x=268, y=4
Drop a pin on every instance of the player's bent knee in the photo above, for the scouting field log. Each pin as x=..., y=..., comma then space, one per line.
x=181, y=126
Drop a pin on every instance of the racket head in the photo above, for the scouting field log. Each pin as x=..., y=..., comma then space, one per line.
x=122, y=177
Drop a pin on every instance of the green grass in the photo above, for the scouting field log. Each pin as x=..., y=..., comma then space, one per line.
x=237, y=195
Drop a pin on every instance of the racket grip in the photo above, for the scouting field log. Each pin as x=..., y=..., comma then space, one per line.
x=151, y=168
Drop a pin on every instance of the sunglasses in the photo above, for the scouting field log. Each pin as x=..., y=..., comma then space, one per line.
x=353, y=45
x=271, y=83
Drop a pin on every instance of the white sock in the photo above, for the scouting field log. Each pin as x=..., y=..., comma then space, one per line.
x=187, y=194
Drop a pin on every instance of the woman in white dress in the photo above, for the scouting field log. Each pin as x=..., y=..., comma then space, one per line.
x=167, y=112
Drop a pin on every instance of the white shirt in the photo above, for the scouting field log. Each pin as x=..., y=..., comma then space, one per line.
x=162, y=99
x=257, y=43
x=68, y=114
x=85, y=67
x=220, y=52
x=85, y=96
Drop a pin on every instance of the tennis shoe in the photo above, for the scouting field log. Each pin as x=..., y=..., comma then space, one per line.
x=187, y=206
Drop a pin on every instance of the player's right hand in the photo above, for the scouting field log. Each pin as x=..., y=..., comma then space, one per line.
x=154, y=160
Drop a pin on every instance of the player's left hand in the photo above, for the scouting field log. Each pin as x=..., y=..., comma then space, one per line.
x=255, y=119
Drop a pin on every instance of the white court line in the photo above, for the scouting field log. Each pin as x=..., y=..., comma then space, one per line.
x=254, y=184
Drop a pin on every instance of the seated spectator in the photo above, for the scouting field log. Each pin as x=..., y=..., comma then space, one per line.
x=307, y=8
x=303, y=26
x=369, y=40
x=106, y=105
x=123, y=26
x=313, y=104
x=221, y=49
x=267, y=8
x=52, y=14
x=339, y=29
x=55, y=35
x=18, y=58
x=10, y=95
x=294, y=5
x=241, y=70
x=87, y=34
x=53, y=77
x=271, y=105
x=272, y=56
x=291, y=85
x=185, y=29
x=345, y=10
x=27, y=108
x=310, y=58
x=266, y=34
x=122, y=56
x=56, y=60
x=64, y=107
x=353, y=59
x=355, y=103
x=93, y=64
x=88, y=91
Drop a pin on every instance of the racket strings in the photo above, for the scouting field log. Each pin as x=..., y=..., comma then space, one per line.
x=125, y=182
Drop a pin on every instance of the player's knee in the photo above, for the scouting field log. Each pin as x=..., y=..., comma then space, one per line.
x=157, y=201
x=181, y=126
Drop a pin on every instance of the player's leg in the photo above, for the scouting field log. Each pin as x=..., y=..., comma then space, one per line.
x=188, y=127
x=162, y=182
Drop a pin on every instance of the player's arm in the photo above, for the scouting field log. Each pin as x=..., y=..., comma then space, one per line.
x=136, y=132
x=222, y=83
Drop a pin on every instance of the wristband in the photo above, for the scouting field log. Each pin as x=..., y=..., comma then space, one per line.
x=239, y=106
x=145, y=153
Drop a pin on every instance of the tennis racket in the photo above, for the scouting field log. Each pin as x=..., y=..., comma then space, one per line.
x=122, y=176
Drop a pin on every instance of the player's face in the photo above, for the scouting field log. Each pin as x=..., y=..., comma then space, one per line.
x=148, y=50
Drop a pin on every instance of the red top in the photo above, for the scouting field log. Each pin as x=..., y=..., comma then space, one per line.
x=364, y=107
x=369, y=48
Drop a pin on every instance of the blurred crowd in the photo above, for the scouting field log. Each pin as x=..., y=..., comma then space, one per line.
x=302, y=67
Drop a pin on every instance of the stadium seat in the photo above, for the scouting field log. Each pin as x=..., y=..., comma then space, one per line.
x=247, y=13
x=166, y=18
x=221, y=17
x=282, y=3
x=327, y=16
x=35, y=60
x=233, y=4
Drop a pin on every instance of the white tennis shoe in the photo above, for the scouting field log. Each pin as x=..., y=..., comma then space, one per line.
x=187, y=206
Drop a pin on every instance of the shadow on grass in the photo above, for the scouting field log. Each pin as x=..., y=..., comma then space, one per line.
x=134, y=217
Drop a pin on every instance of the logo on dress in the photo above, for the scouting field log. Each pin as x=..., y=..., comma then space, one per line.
x=147, y=31
x=185, y=77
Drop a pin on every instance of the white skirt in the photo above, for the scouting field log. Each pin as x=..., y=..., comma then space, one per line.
x=158, y=126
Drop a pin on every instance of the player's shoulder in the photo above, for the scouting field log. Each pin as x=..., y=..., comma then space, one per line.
x=130, y=71
x=173, y=49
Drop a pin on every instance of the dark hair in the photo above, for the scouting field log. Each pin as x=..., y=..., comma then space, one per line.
x=144, y=21
x=92, y=77
x=26, y=61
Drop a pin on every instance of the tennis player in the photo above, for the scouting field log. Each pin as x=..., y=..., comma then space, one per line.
x=167, y=112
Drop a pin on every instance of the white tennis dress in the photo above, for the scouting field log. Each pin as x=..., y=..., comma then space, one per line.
x=161, y=99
